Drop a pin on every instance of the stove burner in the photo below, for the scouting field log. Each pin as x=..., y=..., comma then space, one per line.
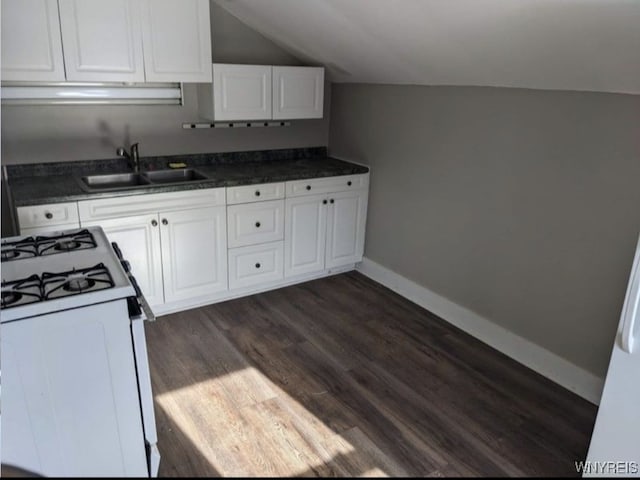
x=23, y=248
x=66, y=245
x=9, y=298
x=79, y=284
x=10, y=254
x=76, y=281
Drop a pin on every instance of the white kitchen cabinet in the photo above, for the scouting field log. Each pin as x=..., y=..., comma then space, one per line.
x=255, y=265
x=34, y=219
x=194, y=252
x=324, y=230
x=102, y=40
x=238, y=92
x=257, y=222
x=305, y=234
x=139, y=240
x=31, y=45
x=262, y=92
x=174, y=255
x=345, y=227
x=177, y=40
x=298, y=92
x=176, y=242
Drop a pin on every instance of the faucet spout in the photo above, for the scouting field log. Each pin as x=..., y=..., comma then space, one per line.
x=133, y=157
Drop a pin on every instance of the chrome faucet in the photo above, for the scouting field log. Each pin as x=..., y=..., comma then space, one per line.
x=134, y=159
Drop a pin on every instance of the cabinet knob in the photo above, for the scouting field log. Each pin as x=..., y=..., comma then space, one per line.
x=308, y=187
x=154, y=223
x=165, y=221
x=331, y=201
x=257, y=265
x=324, y=202
x=349, y=183
x=48, y=215
x=257, y=224
x=257, y=193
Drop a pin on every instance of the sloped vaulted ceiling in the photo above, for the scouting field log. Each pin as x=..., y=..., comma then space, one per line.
x=546, y=44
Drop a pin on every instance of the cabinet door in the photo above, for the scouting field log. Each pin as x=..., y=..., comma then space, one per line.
x=31, y=46
x=102, y=40
x=70, y=404
x=305, y=234
x=298, y=92
x=241, y=92
x=177, y=40
x=194, y=252
x=139, y=240
x=345, y=227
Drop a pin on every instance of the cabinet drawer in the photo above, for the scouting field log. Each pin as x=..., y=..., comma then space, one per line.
x=252, y=223
x=256, y=264
x=146, y=203
x=255, y=193
x=312, y=186
x=48, y=215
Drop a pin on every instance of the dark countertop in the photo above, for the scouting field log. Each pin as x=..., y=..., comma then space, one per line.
x=54, y=183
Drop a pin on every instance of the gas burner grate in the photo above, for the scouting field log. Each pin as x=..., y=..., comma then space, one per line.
x=24, y=248
x=43, y=245
x=50, y=245
x=21, y=292
x=76, y=281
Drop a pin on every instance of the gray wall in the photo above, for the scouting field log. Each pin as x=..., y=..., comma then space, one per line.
x=520, y=205
x=60, y=133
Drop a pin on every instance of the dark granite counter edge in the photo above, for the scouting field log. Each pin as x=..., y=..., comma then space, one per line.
x=117, y=165
x=76, y=194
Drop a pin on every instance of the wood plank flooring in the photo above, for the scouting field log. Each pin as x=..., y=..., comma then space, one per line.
x=342, y=377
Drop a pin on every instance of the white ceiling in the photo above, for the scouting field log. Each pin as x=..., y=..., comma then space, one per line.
x=546, y=44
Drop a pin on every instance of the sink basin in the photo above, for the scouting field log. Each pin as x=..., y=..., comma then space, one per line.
x=174, y=175
x=113, y=181
x=124, y=181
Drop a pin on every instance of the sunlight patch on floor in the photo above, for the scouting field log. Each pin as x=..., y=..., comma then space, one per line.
x=255, y=428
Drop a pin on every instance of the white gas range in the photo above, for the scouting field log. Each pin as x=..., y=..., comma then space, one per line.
x=76, y=389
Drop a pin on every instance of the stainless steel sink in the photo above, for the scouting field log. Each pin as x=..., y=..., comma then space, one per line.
x=124, y=181
x=174, y=175
x=113, y=181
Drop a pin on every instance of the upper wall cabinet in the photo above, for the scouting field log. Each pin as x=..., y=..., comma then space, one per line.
x=241, y=92
x=101, y=40
x=177, y=40
x=106, y=41
x=31, y=47
x=262, y=92
x=298, y=92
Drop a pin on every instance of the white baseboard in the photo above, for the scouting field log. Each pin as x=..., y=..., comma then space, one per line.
x=546, y=363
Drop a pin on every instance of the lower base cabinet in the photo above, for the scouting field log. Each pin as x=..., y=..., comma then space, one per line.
x=256, y=264
x=324, y=231
x=173, y=255
x=194, y=252
x=186, y=248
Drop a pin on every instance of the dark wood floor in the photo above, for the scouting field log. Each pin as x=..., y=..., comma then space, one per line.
x=342, y=377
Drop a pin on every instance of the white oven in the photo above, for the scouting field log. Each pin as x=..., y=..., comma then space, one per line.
x=76, y=388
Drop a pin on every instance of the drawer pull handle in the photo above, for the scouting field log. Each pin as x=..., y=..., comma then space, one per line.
x=349, y=183
x=331, y=201
x=257, y=224
x=324, y=202
x=48, y=215
x=154, y=223
x=165, y=221
x=257, y=193
x=257, y=265
x=308, y=187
